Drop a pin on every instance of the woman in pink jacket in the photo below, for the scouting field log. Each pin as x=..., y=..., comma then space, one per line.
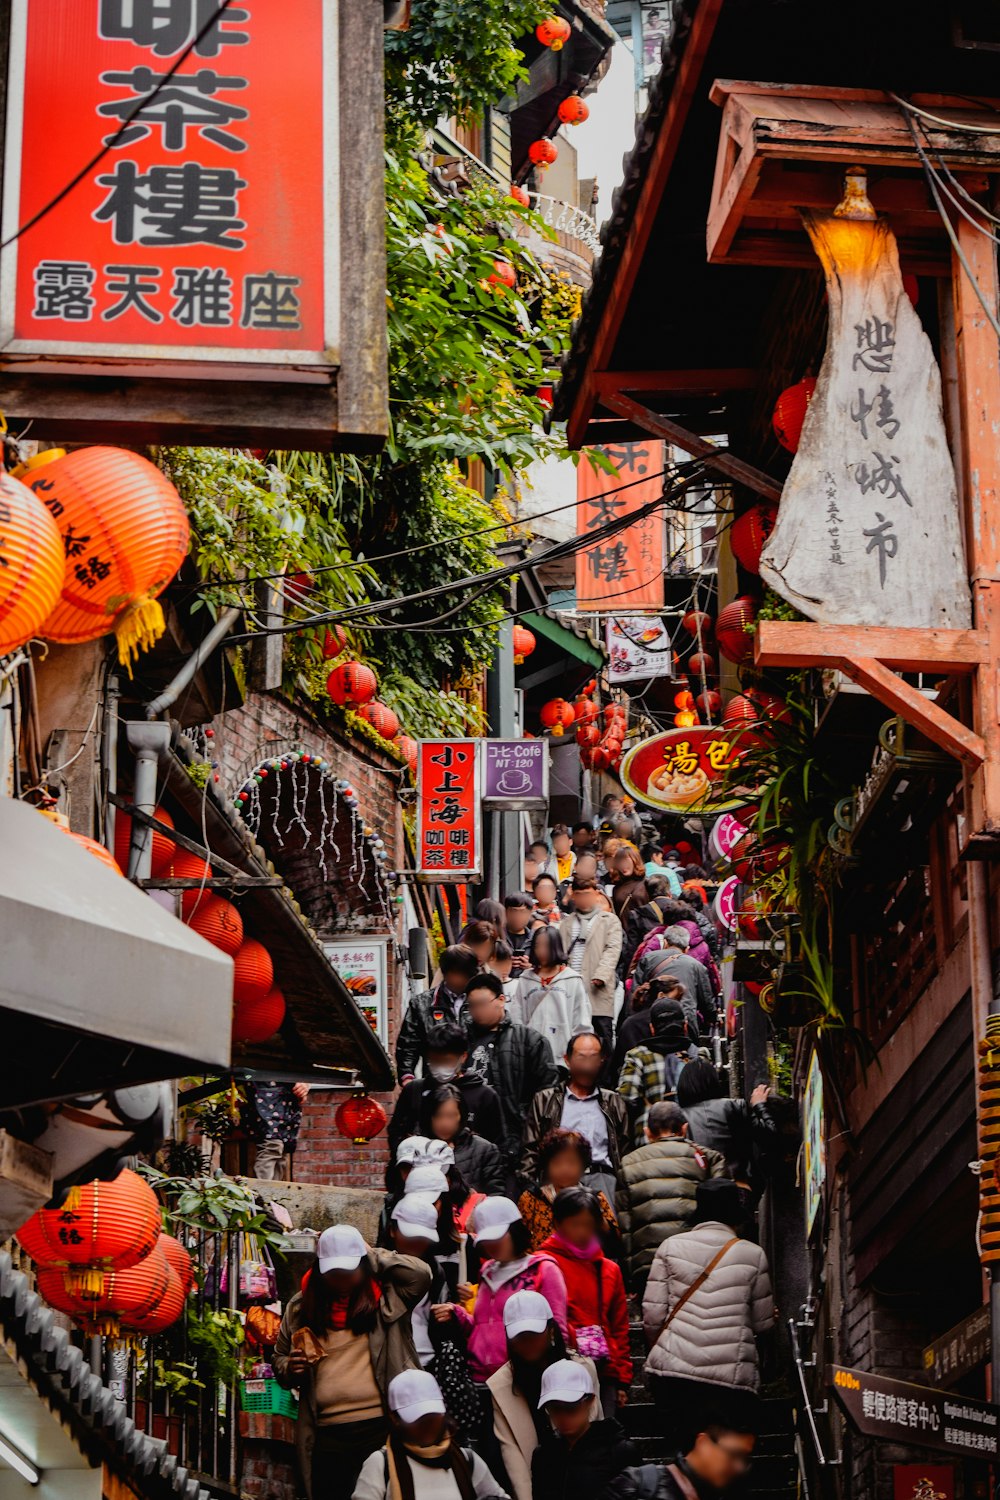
x=508, y=1266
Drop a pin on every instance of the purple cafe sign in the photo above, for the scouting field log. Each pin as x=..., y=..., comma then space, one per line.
x=515, y=775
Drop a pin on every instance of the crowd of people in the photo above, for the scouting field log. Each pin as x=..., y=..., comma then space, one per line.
x=562, y=1141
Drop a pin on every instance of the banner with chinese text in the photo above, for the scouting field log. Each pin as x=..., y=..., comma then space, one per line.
x=209, y=229
x=362, y=964
x=628, y=565
x=449, y=796
x=639, y=647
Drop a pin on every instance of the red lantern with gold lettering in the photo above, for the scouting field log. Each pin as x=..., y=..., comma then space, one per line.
x=360, y=1118
x=103, y=1226
x=33, y=564
x=557, y=715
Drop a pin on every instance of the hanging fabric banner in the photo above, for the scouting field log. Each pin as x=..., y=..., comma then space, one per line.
x=629, y=565
x=868, y=530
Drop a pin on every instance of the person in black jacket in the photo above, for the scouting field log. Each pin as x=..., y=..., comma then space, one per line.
x=742, y=1132
x=445, y=1118
x=717, y=1453
x=576, y=1103
x=513, y=1059
x=447, y=1062
x=576, y=1457
x=444, y=1003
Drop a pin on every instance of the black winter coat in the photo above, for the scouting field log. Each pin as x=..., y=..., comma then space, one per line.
x=736, y=1129
x=653, y=1482
x=423, y=1012
x=584, y=1471
x=485, y=1116
x=516, y=1062
x=480, y=1163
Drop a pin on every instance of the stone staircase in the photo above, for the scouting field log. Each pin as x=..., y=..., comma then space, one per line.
x=775, y=1468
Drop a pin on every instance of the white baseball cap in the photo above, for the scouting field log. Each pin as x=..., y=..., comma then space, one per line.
x=413, y=1394
x=416, y=1217
x=439, y=1154
x=426, y=1178
x=492, y=1218
x=340, y=1249
x=566, y=1380
x=526, y=1312
x=411, y=1149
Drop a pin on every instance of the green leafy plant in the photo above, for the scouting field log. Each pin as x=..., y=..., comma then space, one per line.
x=216, y=1339
x=214, y=1204
x=179, y=1378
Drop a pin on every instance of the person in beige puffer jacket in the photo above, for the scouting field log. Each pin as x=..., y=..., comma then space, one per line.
x=707, y=1298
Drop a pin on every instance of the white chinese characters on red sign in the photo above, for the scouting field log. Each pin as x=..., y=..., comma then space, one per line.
x=448, y=809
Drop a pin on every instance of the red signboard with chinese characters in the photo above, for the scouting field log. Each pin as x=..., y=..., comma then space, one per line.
x=627, y=565
x=449, y=796
x=682, y=770
x=209, y=229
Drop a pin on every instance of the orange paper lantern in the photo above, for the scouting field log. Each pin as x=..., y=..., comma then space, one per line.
x=97, y=850
x=253, y=972
x=257, y=1020
x=600, y=760
x=360, y=1118
x=334, y=642
x=543, y=153
x=351, y=684
x=166, y=1312
x=125, y=534
x=178, y=1259
x=33, y=563
x=684, y=699
x=584, y=710
x=381, y=717
x=573, y=110
x=126, y=1296
x=557, y=715
x=408, y=748
x=163, y=849
x=735, y=641
x=185, y=866
x=685, y=719
x=503, y=274
x=748, y=534
x=218, y=922
x=520, y=195
x=708, y=705
x=697, y=623
x=702, y=665
x=588, y=734
x=790, y=413
x=524, y=644
x=101, y=1227
x=553, y=32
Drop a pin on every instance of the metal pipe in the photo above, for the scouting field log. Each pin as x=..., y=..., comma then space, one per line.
x=198, y=657
x=821, y=1458
x=109, y=758
x=150, y=743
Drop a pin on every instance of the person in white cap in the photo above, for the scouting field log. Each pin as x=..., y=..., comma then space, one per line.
x=426, y=1177
x=503, y=1240
x=577, y=1456
x=342, y=1340
x=534, y=1342
x=446, y=1120
x=422, y=1459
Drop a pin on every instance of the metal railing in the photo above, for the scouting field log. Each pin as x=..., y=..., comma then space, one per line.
x=567, y=218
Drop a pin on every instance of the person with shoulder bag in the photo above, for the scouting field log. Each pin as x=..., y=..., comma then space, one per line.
x=422, y=1459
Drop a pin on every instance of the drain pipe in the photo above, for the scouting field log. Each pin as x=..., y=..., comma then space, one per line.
x=150, y=743
x=198, y=657
x=985, y=1004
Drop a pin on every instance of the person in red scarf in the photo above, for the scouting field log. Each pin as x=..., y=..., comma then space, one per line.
x=596, y=1308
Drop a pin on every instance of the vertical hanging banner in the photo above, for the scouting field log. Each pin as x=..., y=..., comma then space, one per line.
x=627, y=567
x=449, y=798
x=868, y=529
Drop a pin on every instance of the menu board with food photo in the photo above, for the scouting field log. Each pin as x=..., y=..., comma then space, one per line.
x=362, y=964
x=682, y=770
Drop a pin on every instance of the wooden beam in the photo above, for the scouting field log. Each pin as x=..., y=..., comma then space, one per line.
x=916, y=709
x=717, y=458
x=683, y=89
x=676, y=382
x=797, y=643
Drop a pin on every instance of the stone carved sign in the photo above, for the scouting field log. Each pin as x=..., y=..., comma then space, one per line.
x=868, y=530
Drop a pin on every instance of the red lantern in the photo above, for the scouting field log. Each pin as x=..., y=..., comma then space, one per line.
x=167, y=1310
x=520, y=195
x=587, y=756
x=684, y=699
x=185, y=866
x=585, y=709
x=126, y=1295
x=702, y=665
x=708, y=705
x=600, y=760
x=573, y=110
x=163, y=849
x=553, y=32
x=408, y=749
x=503, y=274
x=258, y=1020
x=772, y=709
x=351, y=684
x=101, y=1227
x=748, y=534
x=734, y=640
x=546, y=393
x=381, y=717
x=34, y=564
x=614, y=711
x=557, y=715
x=524, y=644
x=543, y=153
x=218, y=922
x=790, y=413
x=334, y=642
x=740, y=710
x=253, y=972
x=697, y=623
x=685, y=719
x=588, y=734
x=96, y=849
x=178, y=1260
x=360, y=1118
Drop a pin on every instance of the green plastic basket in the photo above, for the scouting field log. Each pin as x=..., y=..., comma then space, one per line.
x=269, y=1396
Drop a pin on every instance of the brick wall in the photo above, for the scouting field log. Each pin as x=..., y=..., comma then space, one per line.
x=267, y=725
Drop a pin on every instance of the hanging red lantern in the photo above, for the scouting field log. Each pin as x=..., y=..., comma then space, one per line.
x=557, y=715
x=543, y=153
x=573, y=110
x=96, y=849
x=685, y=719
x=708, y=705
x=126, y=1296
x=167, y=1310
x=257, y=1020
x=185, y=866
x=408, y=749
x=524, y=644
x=553, y=32
x=360, y=1118
x=253, y=972
x=34, y=564
x=351, y=684
x=600, y=760
x=163, y=848
x=697, y=623
x=546, y=393
x=748, y=534
x=218, y=922
x=381, y=717
x=614, y=711
x=334, y=642
x=587, y=756
x=178, y=1259
x=735, y=641
x=503, y=274
x=772, y=709
x=684, y=699
x=702, y=665
x=520, y=195
x=125, y=534
x=588, y=734
x=790, y=413
x=739, y=711
x=585, y=710
x=101, y=1227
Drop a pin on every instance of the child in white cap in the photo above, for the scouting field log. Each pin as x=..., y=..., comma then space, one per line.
x=577, y=1454
x=422, y=1460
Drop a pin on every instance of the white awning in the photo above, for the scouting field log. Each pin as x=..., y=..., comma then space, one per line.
x=111, y=988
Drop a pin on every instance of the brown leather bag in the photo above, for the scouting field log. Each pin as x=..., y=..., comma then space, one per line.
x=699, y=1281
